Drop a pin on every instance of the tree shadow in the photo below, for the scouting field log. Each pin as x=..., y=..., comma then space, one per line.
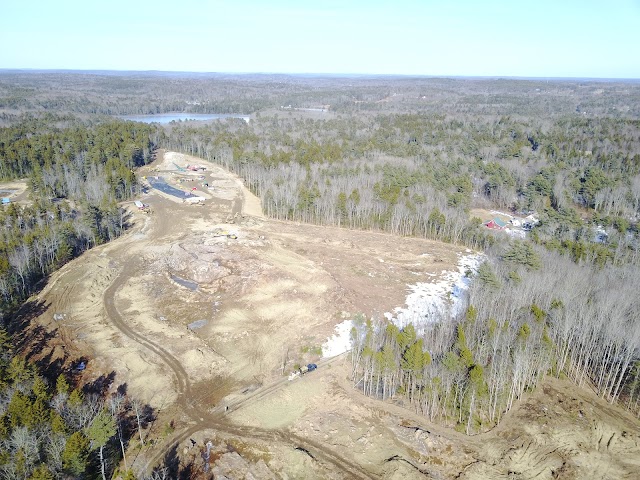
x=175, y=469
x=148, y=416
x=188, y=472
x=51, y=368
x=100, y=386
x=127, y=220
x=17, y=325
x=171, y=462
x=122, y=389
x=36, y=341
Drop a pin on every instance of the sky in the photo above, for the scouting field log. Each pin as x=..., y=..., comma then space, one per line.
x=513, y=38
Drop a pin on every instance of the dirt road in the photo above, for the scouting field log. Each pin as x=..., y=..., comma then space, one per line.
x=192, y=321
x=204, y=420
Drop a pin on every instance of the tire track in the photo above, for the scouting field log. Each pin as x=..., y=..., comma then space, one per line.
x=204, y=420
x=181, y=377
x=263, y=392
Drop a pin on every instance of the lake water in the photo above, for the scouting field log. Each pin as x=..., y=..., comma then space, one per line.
x=177, y=117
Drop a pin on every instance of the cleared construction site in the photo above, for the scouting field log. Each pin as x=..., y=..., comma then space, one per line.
x=210, y=313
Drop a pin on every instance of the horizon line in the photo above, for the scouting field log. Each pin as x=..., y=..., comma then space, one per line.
x=314, y=74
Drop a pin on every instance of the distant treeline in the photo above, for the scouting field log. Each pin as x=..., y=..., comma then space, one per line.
x=422, y=174
x=148, y=93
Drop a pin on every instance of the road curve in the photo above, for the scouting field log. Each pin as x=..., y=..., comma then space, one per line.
x=204, y=420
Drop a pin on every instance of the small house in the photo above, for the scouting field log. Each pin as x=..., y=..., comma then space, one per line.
x=496, y=224
x=6, y=200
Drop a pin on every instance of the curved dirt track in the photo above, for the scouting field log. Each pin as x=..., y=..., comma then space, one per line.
x=201, y=419
x=205, y=420
x=181, y=378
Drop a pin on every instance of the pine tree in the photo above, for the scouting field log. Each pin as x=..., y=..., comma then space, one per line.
x=42, y=473
x=39, y=388
x=76, y=454
x=19, y=370
x=102, y=428
x=19, y=410
x=5, y=342
x=5, y=428
x=62, y=386
x=75, y=398
x=57, y=424
x=40, y=412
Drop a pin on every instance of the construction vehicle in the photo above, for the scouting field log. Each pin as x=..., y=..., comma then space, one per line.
x=218, y=232
x=309, y=368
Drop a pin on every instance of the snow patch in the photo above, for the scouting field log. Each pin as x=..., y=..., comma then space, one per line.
x=339, y=342
x=426, y=303
x=431, y=302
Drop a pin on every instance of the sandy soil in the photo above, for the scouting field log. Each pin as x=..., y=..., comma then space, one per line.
x=192, y=321
x=16, y=191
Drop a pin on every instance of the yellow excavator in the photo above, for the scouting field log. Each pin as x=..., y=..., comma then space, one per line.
x=218, y=232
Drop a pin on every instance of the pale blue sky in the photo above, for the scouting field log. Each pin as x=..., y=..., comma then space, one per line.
x=542, y=38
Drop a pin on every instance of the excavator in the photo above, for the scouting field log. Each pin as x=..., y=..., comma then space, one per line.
x=219, y=232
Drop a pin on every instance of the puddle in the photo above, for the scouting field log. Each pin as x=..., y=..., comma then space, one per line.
x=190, y=284
x=197, y=324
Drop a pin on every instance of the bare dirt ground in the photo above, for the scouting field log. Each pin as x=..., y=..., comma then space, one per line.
x=192, y=321
x=16, y=191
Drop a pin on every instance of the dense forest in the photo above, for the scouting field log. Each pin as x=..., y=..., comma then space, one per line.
x=408, y=156
x=52, y=430
x=421, y=174
x=524, y=320
x=77, y=173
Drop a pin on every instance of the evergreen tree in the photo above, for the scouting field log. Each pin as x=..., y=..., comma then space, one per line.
x=101, y=429
x=76, y=454
x=62, y=386
x=42, y=472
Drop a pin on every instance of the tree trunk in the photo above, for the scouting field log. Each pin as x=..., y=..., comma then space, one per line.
x=104, y=477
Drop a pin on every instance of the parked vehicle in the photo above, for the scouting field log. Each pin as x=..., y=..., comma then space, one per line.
x=309, y=368
x=302, y=370
x=194, y=200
